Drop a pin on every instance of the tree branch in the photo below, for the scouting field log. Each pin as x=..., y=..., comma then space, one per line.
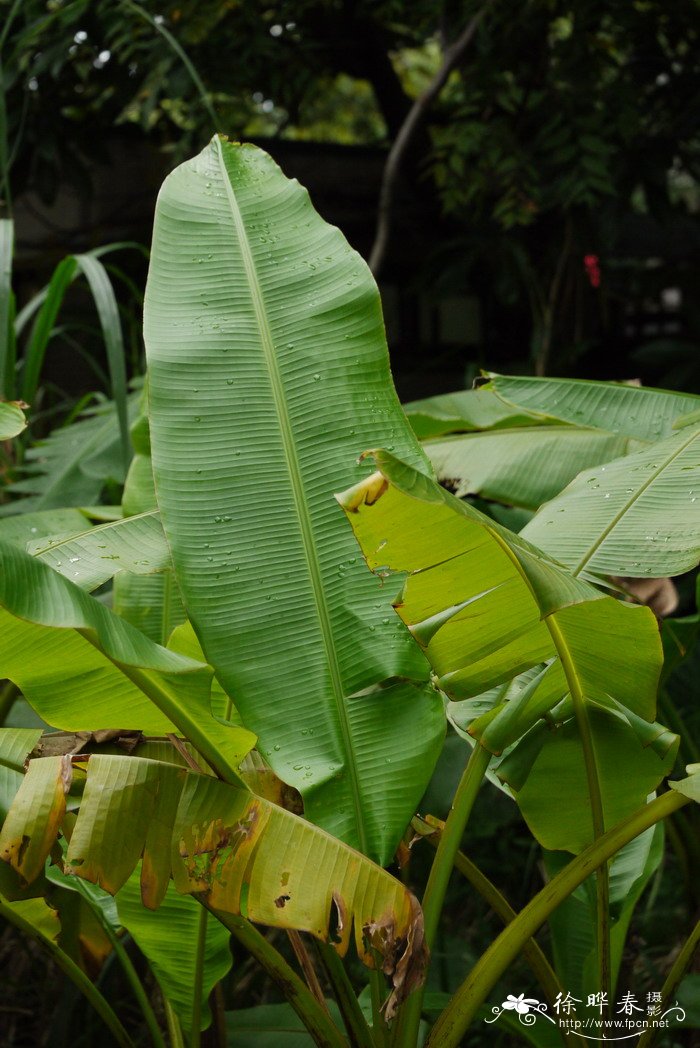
x=415, y=117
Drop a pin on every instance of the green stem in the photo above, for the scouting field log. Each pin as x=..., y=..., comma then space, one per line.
x=355, y=1023
x=196, y=1035
x=454, y=1021
x=136, y=986
x=174, y=1028
x=668, y=990
x=314, y=1017
x=589, y=758
x=379, y=1027
x=218, y=1007
x=74, y=973
x=406, y=1034
x=488, y=891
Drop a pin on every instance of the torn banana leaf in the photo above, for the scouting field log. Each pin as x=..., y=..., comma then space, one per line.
x=485, y=606
x=238, y=853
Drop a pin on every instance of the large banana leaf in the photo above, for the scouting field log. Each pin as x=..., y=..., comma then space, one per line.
x=268, y=376
x=635, y=516
x=632, y=411
x=521, y=467
x=239, y=853
x=82, y=667
x=485, y=605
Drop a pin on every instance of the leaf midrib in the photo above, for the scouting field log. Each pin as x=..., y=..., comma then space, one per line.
x=630, y=502
x=298, y=491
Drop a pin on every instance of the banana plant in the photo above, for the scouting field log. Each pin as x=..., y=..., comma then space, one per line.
x=261, y=762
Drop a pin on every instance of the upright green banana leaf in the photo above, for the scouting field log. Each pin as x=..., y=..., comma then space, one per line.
x=648, y=414
x=485, y=605
x=635, y=516
x=268, y=376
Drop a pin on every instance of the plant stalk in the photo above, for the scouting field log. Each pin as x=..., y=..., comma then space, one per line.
x=316, y=1020
x=541, y=968
x=596, y=799
x=8, y=693
x=136, y=985
x=196, y=1034
x=454, y=1021
x=406, y=1031
x=306, y=965
x=174, y=1028
x=356, y=1025
x=379, y=1028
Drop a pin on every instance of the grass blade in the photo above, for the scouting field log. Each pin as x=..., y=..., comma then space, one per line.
x=108, y=312
x=6, y=339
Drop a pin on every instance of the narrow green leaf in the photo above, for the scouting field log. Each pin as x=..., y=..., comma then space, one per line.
x=110, y=322
x=6, y=334
x=35, y=350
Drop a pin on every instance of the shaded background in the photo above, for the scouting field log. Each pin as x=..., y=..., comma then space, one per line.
x=544, y=217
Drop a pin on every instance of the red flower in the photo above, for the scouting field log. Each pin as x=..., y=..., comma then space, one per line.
x=591, y=264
